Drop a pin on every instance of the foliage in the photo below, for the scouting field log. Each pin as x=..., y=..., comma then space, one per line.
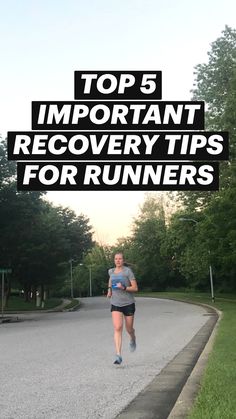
x=96, y=264
x=8, y=168
x=212, y=240
x=143, y=249
x=215, y=83
x=37, y=239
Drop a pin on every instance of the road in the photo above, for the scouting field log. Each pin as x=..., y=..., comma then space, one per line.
x=60, y=365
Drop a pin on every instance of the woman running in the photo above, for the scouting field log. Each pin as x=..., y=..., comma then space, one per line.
x=121, y=287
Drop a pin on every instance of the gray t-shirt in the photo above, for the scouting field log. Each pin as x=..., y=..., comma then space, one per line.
x=120, y=297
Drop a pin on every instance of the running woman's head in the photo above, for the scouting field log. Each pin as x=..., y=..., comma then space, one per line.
x=119, y=259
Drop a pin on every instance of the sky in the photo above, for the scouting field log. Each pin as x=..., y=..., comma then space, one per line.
x=43, y=42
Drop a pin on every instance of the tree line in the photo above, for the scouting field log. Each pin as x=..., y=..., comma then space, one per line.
x=37, y=239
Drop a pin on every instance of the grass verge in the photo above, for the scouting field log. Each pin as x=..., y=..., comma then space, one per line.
x=18, y=304
x=72, y=305
x=216, y=398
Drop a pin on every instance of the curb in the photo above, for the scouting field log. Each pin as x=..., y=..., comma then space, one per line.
x=185, y=401
x=74, y=308
x=9, y=320
x=167, y=396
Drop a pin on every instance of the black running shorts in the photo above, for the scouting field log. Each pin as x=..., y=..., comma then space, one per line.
x=126, y=310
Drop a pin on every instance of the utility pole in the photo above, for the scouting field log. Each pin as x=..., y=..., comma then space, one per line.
x=71, y=279
x=90, y=280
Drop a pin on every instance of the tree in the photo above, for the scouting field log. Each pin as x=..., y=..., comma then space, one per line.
x=213, y=240
x=57, y=235
x=37, y=239
x=177, y=248
x=18, y=215
x=219, y=226
x=149, y=231
x=95, y=262
x=213, y=80
x=215, y=83
x=7, y=169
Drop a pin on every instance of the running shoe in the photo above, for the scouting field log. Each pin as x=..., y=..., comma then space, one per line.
x=118, y=360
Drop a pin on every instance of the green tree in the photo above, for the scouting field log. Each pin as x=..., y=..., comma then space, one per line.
x=7, y=169
x=219, y=229
x=178, y=248
x=215, y=83
x=19, y=212
x=96, y=263
x=37, y=239
x=149, y=230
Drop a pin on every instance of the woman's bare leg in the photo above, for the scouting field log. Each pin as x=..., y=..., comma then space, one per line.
x=129, y=324
x=117, y=318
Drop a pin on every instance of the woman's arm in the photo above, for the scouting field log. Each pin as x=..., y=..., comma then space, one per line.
x=133, y=287
x=109, y=289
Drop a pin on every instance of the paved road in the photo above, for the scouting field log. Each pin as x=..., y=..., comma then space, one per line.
x=60, y=365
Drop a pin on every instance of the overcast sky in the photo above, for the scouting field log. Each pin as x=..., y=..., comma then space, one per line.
x=43, y=42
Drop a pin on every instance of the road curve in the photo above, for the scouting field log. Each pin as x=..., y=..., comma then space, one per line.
x=60, y=365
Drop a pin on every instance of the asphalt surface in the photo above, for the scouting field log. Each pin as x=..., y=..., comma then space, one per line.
x=60, y=365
